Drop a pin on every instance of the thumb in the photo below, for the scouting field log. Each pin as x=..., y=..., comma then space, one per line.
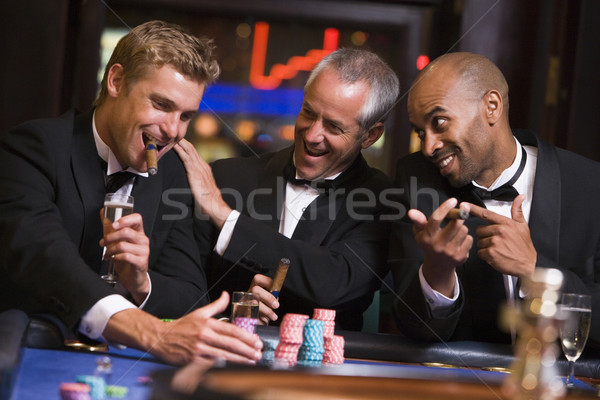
x=516, y=210
x=216, y=306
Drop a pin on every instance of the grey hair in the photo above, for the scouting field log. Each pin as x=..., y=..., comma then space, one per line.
x=355, y=65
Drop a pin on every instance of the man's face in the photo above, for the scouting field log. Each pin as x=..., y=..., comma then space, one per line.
x=452, y=130
x=327, y=128
x=159, y=105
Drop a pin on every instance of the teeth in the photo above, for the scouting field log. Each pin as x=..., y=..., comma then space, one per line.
x=445, y=161
x=154, y=140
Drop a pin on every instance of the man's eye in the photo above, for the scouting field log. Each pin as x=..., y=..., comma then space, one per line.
x=438, y=123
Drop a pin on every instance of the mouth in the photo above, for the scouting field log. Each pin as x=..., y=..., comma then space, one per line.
x=147, y=138
x=444, y=163
x=314, y=152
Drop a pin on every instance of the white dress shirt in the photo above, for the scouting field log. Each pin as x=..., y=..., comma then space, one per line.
x=440, y=304
x=95, y=319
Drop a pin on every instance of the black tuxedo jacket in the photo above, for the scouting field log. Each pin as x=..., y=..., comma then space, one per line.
x=565, y=229
x=337, y=254
x=51, y=193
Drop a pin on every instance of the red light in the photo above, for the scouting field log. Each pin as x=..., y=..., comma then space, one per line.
x=422, y=61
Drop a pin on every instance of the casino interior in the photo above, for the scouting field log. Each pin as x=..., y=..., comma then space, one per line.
x=56, y=50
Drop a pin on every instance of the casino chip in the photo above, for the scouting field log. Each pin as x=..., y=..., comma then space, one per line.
x=74, y=391
x=290, y=339
x=96, y=384
x=116, y=391
x=247, y=324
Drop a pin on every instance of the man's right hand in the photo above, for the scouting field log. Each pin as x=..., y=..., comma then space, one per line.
x=445, y=248
x=261, y=285
x=194, y=336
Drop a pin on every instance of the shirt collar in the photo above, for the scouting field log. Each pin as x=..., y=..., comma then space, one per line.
x=508, y=173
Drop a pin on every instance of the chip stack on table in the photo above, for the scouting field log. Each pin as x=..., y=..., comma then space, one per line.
x=74, y=391
x=311, y=351
x=96, y=383
x=268, y=351
x=334, y=345
x=247, y=324
x=334, y=350
x=290, y=339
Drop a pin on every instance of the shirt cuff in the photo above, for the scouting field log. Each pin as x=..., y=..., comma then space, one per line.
x=438, y=303
x=94, y=321
x=226, y=232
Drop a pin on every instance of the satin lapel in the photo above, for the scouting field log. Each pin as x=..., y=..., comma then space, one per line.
x=316, y=221
x=270, y=192
x=147, y=194
x=89, y=179
x=544, y=219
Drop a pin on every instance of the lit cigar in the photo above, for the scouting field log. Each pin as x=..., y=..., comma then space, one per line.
x=279, y=277
x=457, y=213
x=151, y=153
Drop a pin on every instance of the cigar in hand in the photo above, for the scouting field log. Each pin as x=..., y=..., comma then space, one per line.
x=457, y=213
x=279, y=277
x=151, y=156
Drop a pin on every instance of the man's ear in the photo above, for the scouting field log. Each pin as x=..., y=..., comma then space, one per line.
x=372, y=135
x=115, y=80
x=494, y=107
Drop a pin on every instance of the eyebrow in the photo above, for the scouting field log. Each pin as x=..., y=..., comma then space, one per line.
x=172, y=105
x=434, y=111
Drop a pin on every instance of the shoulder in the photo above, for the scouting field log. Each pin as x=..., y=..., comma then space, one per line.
x=248, y=169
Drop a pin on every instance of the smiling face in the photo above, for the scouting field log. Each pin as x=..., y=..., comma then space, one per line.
x=159, y=105
x=327, y=130
x=451, y=124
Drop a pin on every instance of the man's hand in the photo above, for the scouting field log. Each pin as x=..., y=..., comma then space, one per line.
x=129, y=247
x=506, y=243
x=445, y=249
x=195, y=336
x=261, y=285
x=207, y=194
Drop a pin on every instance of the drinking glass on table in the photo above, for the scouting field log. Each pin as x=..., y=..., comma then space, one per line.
x=575, y=328
x=115, y=206
x=244, y=305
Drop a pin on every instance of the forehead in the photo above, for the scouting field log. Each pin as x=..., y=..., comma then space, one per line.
x=328, y=95
x=434, y=91
x=168, y=82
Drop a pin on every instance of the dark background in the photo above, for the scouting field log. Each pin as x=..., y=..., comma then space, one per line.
x=548, y=50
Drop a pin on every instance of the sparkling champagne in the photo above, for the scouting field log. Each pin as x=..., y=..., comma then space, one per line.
x=114, y=211
x=244, y=310
x=574, y=331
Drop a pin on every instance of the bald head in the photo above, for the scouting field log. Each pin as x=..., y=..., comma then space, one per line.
x=474, y=75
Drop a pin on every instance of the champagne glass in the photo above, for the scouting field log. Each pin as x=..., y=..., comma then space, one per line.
x=575, y=327
x=115, y=206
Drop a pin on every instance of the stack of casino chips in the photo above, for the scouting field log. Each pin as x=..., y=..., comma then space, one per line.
x=334, y=345
x=96, y=383
x=334, y=350
x=328, y=316
x=311, y=351
x=247, y=324
x=74, y=391
x=268, y=351
x=290, y=339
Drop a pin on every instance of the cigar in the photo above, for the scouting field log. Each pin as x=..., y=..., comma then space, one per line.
x=151, y=153
x=279, y=277
x=457, y=213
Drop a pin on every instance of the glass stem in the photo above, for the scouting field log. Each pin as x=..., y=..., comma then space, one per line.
x=571, y=376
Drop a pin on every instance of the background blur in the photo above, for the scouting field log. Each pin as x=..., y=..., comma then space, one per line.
x=53, y=55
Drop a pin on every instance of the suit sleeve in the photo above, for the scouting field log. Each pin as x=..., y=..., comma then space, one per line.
x=411, y=312
x=348, y=264
x=39, y=260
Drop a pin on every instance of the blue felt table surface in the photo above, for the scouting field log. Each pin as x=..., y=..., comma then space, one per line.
x=42, y=371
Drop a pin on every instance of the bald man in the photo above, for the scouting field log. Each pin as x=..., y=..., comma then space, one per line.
x=452, y=275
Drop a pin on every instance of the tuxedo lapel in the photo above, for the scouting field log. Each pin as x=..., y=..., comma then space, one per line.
x=270, y=193
x=89, y=179
x=147, y=195
x=544, y=218
x=318, y=217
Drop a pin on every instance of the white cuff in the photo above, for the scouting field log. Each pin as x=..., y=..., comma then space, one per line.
x=438, y=303
x=94, y=321
x=226, y=232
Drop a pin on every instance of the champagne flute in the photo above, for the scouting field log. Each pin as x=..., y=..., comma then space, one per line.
x=574, y=329
x=115, y=206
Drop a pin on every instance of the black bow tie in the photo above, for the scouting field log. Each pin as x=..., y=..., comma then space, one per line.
x=116, y=180
x=505, y=192
x=290, y=175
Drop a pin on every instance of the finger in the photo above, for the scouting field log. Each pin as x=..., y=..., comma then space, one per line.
x=133, y=221
x=435, y=220
x=264, y=310
x=216, y=307
x=486, y=214
x=516, y=210
x=418, y=218
x=262, y=281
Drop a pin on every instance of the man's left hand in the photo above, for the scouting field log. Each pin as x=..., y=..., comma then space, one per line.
x=506, y=243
